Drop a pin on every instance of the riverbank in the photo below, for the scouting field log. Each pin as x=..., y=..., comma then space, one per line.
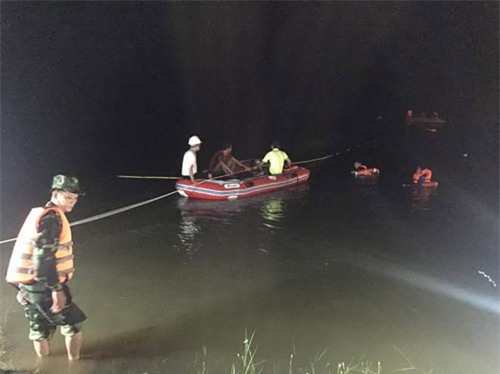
x=247, y=360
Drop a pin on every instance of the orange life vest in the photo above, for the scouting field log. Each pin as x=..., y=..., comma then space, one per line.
x=364, y=171
x=21, y=268
x=426, y=172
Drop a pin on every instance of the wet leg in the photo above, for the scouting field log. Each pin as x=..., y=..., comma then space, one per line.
x=73, y=345
x=42, y=347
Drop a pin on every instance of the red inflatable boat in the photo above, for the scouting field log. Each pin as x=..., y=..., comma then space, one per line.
x=240, y=188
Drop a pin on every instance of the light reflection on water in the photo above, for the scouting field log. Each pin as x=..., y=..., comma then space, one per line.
x=272, y=212
x=421, y=198
x=366, y=187
x=198, y=216
x=188, y=230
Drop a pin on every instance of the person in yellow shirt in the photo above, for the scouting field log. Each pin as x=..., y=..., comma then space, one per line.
x=276, y=159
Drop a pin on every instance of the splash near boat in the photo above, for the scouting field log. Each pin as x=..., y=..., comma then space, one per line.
x=241, y=188
x=432, y=184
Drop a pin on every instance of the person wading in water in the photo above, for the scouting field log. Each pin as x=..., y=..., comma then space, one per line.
x=41, y=266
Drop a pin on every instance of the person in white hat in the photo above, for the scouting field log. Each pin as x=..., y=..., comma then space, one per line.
x=189, y=166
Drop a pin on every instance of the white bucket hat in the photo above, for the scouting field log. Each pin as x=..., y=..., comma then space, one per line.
x=194, y=140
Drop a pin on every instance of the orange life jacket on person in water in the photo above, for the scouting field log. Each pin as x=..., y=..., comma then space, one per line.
x=363, y=170
x=418, y=174
x=368, y=172
x=21, y=267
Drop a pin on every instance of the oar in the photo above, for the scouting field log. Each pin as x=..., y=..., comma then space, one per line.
x=225, y=175
x=256, y=167
x=146, y=177
x=221, y=176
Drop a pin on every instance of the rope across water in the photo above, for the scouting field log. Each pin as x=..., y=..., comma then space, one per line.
x=142, y=203
x=108, y=214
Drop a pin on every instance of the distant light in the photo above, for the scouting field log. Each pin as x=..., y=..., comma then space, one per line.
x=492, y=282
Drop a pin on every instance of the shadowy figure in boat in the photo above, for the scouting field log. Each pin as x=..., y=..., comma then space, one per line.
x=224, y=163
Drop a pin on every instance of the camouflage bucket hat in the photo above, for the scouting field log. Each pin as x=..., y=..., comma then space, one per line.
x=69, y=184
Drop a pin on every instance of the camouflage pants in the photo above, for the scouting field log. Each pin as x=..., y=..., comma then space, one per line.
x=42, y=321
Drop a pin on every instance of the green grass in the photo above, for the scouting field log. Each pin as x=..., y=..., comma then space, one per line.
x=247, y=363
x=246, y=360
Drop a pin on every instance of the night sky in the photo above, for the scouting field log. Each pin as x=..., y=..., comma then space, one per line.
x=108, y=87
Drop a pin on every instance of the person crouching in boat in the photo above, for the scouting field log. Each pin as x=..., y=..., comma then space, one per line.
x=223, y=162
x=363, y=170
x=421, y=176
x=189, y=165
x=276, y=159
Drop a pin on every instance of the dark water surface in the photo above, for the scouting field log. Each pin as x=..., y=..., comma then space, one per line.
x=361, y=268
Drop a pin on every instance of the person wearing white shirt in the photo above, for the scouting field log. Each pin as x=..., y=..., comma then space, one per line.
x=189, y=166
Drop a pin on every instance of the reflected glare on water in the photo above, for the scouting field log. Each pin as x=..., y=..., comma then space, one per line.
x=272, y=212
x=188, y=230
x=421, y=198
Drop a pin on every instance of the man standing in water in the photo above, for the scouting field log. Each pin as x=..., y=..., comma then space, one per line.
x=276, y=159
x=189, y=166
x=40, y=267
